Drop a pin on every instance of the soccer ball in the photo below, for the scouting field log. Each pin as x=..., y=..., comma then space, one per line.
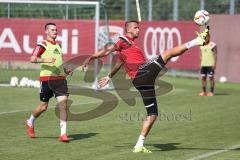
x=201, y=17
x=23, y=82
x=14, y=81
x=36, y=84
x=223, y=79
x=30, y=83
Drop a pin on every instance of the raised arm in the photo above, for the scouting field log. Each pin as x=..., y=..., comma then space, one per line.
x=102, y=53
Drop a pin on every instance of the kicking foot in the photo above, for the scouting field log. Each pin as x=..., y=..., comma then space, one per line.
x=141, y=150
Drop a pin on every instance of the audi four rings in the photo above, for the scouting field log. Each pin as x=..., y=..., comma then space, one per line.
x=161, y=39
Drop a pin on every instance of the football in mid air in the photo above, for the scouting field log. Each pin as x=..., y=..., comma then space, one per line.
x=201, y=17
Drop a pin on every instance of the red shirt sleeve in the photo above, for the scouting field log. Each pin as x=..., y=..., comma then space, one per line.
x=120, y=44
x=39, y=49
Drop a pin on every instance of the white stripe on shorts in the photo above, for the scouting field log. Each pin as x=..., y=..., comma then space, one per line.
x=159, y=65
x=150, y=105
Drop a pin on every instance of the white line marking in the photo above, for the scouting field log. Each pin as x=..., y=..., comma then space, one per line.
x=215, y=153
x=4, y=85
x=27, y=110
x=50, y=107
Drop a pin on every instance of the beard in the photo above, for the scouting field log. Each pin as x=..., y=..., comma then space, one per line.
x=136, y=35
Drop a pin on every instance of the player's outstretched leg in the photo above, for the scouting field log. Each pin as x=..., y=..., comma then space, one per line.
x=177, y=51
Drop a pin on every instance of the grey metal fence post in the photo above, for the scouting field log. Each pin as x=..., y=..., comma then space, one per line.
x=202, y=4
x=175, y=10
x=126, y=10
x=66, y=14
x=149, y=10
x=8, y=10
x=232, y=7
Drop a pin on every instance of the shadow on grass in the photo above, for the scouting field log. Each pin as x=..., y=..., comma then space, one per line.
x=162, y=147
x=221, y=94
x=165, y=147
x=74, y=137
x=173, y=146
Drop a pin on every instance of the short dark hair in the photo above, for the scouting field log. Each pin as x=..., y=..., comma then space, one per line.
x=131, y=21
x=48, y=24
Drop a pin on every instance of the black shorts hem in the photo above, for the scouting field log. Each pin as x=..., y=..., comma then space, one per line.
x=61, y=95
x=152, y=114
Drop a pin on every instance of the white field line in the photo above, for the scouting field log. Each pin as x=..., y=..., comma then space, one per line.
x=4, y=85
x=93, y=102
x=205, y=155
x=50, y=107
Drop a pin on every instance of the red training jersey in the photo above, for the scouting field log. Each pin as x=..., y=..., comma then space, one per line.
x=129, y=53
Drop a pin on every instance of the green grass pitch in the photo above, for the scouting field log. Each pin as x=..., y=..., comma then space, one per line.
x=206, y=125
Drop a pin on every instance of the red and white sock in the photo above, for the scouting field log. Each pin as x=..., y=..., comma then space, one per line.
x=30, y=121
x=63, y=126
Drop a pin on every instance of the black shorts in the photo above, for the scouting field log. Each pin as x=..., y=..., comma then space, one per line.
x=207, y=71
x=53, y=87
x=144, y=82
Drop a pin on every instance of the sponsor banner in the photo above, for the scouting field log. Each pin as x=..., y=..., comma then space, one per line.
x=227, y=39
x=156, y=37
x=18, y=37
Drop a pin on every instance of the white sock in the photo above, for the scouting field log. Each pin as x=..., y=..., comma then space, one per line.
x=140, y=141
x=192, y=43
x=30, y=121
x=63, y=126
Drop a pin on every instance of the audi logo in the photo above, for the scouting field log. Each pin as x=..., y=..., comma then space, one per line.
x=157, y=40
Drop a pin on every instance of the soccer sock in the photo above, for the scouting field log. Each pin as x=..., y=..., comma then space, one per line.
x=30, y=121
x=212, y=89
x=204, y=89
x=140, y=141
x=63, y=126
x=192, y=43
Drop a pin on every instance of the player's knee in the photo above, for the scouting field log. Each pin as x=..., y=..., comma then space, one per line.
x=153, y=118
x=62, y=99
x=62, y=102
x=204, y=78
x=211, y=78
